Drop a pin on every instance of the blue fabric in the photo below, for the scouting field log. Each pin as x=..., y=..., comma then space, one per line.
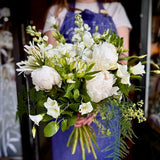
x=103, y=22
x=60, y=151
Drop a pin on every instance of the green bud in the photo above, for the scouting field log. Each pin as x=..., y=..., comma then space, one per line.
x=62, y=61
x=34, y=27
x=72, y=65
x=55, y=35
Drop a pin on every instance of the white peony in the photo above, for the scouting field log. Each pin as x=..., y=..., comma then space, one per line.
x=52, y=108
x=123, y=74
x=36, y=118
x=137, y=69
x=46, y=77
x=85, y=108
x=101, y=86
x=104, y=56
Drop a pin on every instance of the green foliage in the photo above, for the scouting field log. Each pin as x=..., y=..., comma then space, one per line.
x=51, y=129
x=22, y=107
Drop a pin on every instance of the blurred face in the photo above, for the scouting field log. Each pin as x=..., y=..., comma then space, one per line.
x=86, y=1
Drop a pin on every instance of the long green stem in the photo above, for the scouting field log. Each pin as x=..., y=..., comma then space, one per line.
x=82, y=144
x=75, y=140
x=90, y=142
x=70, y=137
x=86, y=141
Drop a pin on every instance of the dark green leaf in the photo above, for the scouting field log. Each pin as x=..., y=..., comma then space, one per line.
x=67, y=113
x=47, y=118
x=74, y=106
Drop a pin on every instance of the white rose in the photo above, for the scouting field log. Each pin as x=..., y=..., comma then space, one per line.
x=46, y=77
x=104, y=56
x=137, y=69
x=87, y=39
x=123, y=74
x=101, y=86
x=85, y=108
x=36, y=118
x=52, y=108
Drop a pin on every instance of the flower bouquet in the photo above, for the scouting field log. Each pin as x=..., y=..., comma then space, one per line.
x=81, y=79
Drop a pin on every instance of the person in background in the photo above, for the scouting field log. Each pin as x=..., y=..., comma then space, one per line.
x=106, y=14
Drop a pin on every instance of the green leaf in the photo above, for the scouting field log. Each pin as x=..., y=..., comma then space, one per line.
x=68, y=95
x=67, y=113
x=51, y=129
x=70, y=87
x=64, y=125
x=92, y=73
x=124, y=88
x=74, y=106
x=71, y=121
x=47, y=118
x=87, y=77
x=89, y=67
x=76, y=94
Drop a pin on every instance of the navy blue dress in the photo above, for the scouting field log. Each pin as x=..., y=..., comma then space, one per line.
x=60, y=151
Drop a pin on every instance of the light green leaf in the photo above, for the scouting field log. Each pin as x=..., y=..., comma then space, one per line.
x=51, y=129
x=64, y=125
x=76, y=94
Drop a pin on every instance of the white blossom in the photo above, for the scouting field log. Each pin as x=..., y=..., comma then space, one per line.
x=52, y=108
x=85, y=108
x=87, y=39
x=123, y=74
x=137, y=69
x=44, y=78
x=101, y=86
x=36, y=118
x=104, y=56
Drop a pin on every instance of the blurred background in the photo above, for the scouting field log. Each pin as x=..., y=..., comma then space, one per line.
x=16, y=142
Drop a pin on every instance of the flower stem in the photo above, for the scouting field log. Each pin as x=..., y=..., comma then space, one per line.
x=90, y=142
x=70, y=137
x=82, y=144
x=86, y=141
x=75, y=140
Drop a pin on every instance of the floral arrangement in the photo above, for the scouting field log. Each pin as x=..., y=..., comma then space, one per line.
x=82, y=78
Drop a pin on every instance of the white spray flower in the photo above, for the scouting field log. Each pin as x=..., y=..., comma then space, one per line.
x=85, y=108
x=137, y=69
x=52, y=108
x=123, y=74
x=36, y=118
